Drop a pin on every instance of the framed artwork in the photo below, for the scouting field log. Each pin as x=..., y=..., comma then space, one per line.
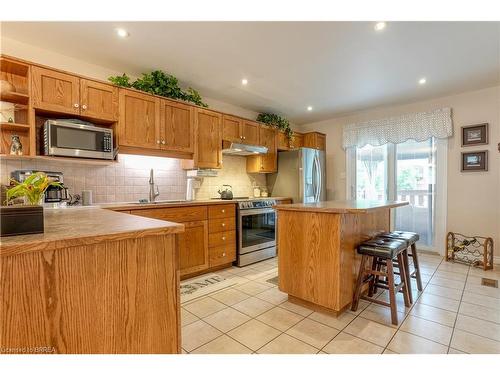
x=475, y=161
x=474, y=135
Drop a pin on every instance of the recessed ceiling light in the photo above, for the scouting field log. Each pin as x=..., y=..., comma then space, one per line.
x=309, y=108
x=122, y=33
x=422, y=81
x=379, y=26
x=244, y=81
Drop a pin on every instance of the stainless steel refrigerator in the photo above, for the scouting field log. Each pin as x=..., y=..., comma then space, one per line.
x=301, y=175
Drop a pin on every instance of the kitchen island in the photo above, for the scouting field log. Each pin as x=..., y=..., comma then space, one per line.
x=96, y=281
x=318, y=262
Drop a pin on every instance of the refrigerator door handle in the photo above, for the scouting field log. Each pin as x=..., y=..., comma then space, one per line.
x=320, y=182
x=317, y=178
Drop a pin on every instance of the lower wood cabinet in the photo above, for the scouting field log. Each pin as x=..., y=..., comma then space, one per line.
x=193, y=247
x=222, y=255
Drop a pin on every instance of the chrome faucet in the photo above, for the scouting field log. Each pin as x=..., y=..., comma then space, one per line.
x=152, y=193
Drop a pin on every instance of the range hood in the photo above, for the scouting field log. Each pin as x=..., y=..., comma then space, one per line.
x=229, y=148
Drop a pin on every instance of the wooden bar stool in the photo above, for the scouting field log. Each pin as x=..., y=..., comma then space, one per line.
x=381, y=249
x=411, y=240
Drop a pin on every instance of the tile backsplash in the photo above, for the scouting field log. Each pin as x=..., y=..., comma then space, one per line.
x=127, y=180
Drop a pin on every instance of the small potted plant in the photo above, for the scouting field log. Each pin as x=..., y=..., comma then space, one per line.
x=26, y=218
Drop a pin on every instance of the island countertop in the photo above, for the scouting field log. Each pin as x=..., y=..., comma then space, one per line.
x=342, y=206
x=85, y=226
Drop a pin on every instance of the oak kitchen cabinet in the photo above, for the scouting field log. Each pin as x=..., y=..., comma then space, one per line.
x=55, y=91
x=177, y=126
x=315, y=140
x=239, y=130
x=208, y=134
x=297, y=140
x=267, y=163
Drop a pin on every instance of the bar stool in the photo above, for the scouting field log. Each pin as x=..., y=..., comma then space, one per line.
x=379, y=249
x=411, y=239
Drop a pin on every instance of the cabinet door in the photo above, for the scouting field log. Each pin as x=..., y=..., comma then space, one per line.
x=283, y=141
x=98, y=100
x=315, y=140
x=250, y=132
x=193, y=247
x=209, y=139
x=139, y=122
x=177, y=127
x=55, y=91
x=231, y=129
x=268, y=139
x=297, y=140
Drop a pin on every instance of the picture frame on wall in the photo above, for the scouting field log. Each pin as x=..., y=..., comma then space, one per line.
x=475, y=135
x=475, y=161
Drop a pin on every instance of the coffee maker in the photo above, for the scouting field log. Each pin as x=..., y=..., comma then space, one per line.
x=53, y=194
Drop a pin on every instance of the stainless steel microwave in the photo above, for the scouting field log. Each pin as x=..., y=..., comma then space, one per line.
x=64, y=138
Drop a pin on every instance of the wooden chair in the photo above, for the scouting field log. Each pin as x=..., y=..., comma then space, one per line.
x=387, y=250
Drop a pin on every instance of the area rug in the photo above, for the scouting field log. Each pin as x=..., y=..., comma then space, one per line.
x=274, y=280
x=196, y=288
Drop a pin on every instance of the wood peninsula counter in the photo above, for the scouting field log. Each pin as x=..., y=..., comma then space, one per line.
x=318, y=262
x=96, y=281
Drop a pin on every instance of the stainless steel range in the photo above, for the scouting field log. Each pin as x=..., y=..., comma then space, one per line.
x=256, y=231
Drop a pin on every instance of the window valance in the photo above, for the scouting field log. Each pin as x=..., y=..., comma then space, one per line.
x=399, y=129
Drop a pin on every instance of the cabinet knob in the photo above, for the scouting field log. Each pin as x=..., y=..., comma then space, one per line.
x=223, y=254
x=223, y=210
x=84, y=107
x=223, y=238
x=76, y=105
x=223, y=224
x=244, y=137
x=158, y=142
x=162, y=142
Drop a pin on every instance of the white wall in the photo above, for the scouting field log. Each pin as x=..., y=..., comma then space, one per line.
x=474, y=197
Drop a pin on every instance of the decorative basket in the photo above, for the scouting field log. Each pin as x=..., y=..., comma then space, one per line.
x=476, y=251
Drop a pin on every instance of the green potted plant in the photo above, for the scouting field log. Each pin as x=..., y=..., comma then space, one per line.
x=26, y=218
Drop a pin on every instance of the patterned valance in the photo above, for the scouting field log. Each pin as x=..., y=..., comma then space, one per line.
x=416, y=126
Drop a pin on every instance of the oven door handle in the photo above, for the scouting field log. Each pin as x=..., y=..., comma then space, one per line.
x=257, y=211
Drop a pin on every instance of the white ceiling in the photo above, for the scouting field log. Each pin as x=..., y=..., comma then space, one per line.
x=336, y=67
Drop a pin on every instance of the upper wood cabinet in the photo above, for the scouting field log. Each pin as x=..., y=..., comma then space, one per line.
x=98, y=100
x=139, y=123
x=267, y=163
x=177, y=126
x=297, y=140
x=208, y=152
x=55, y=91
x=66, y=93
x=238, y=130
x=315, y=140
x=283, y=143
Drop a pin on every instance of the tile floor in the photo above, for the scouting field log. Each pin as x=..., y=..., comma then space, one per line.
x=453, y=315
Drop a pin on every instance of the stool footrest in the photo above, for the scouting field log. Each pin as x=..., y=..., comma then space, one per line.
x=383, y=303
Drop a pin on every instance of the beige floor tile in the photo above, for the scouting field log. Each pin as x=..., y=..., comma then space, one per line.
x=440, y=302
x=478, y=327
x=361, y=306
x=252, y=288
x=427, y=329
x=387, y=351
x=406, y=343
x=285, y=344
x=273, y=296
x=368, y=330
x=204, y=307
x=298, y=309
x=477, y=299
x=254, y=334
x=442, y=291
x=196, y=334
x=451, y=275
x=492, y=274
x=313, y=332
x=280, y=318
x=454, y=267
x=381, y=314
x=477, y=288
x=348, y=344
x=480, y=312
x=455, y=284
x=227, y=319
x=183, y=351
x=337, y=322
x=400, y=303
x=187, y=317
x=230, y=296
x=223, y=345
x=455, y=351
x=253, y=306
x=434, y=314
x=474, y=344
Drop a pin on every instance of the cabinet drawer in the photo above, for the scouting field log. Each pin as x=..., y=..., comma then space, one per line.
x=218, y=211
x=222, y=255
x=222, y=225
x=176, y=214
x=222, y=239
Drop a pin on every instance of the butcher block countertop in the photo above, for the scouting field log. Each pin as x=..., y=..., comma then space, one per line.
x=341, y=207
x=85, y=226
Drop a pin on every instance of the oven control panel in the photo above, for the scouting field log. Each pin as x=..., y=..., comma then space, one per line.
x=264, y=203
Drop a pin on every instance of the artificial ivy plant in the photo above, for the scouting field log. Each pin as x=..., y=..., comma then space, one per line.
x=160, y=83
x=277, y=121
